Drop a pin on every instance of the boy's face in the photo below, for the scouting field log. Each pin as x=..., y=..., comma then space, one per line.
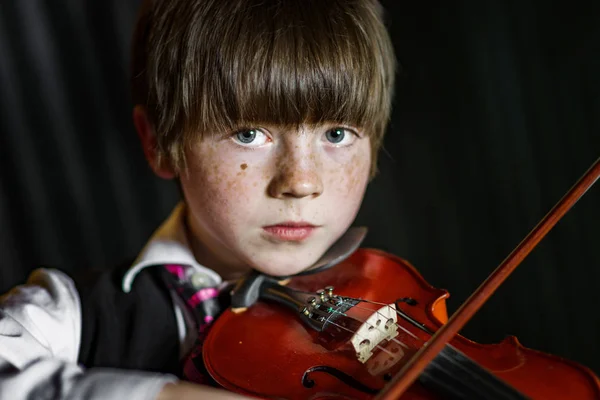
x=272, y=198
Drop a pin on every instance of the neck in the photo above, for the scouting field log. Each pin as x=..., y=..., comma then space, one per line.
x=203, y=248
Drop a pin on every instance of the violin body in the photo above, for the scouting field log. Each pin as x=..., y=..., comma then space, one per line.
x=268, y=352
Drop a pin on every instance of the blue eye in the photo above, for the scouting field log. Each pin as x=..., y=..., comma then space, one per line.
x=335, y=135
x=246, y=136
x=250, y=137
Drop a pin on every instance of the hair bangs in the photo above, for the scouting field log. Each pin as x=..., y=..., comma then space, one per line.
x=289, y=63
x=209, y=66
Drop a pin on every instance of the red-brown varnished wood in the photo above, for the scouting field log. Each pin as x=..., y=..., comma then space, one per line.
x=265, y=350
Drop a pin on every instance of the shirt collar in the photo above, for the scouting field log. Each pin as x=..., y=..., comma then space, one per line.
x=168, y=245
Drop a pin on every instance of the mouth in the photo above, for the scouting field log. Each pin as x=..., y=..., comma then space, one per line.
x=291, y=231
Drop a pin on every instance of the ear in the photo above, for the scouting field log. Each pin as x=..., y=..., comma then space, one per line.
x=145, y=131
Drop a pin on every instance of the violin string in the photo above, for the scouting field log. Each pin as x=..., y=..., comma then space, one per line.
x=378, y=312
x=399, y=312
x=395, y=340
x=397, y=325
x=328, y=319
x=435, y=378
x=442, y=374
x=374, y=327
x=382, y=331
x=440, y=368
x=444, y=355
x=402, y=315
x=344, y=298
x=378, y=346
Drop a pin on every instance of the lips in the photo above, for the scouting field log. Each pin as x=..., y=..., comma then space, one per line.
x=293, y=231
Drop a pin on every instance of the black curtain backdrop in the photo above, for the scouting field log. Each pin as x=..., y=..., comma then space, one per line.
x=497, y=115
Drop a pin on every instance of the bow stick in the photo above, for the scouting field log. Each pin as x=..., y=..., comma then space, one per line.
x=411, y=371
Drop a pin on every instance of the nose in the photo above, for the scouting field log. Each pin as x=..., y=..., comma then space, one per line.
x=296, y=179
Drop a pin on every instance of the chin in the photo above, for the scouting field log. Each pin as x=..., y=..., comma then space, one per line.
x=284, y=259
x=283, y=266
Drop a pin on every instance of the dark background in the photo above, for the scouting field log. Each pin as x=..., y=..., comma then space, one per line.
x=497, y=115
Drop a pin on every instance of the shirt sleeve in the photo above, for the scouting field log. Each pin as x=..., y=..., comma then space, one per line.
x=40, y=337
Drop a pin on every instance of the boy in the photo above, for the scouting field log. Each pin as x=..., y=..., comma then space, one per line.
x=269, y=114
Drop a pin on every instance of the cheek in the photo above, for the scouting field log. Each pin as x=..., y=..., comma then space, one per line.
x=357, y=173
x=217, y=190
x=351, y=176
x=345, y=188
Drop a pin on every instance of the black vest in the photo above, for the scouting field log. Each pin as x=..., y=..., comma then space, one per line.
x=135, y=330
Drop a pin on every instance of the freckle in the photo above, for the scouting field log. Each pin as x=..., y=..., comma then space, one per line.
x=244, y=166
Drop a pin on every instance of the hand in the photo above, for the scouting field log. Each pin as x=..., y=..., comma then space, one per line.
x=188, y=391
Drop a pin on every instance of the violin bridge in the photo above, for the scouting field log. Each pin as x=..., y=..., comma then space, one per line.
x=380, y=326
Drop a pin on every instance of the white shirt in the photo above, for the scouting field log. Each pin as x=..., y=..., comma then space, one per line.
x=41, y=324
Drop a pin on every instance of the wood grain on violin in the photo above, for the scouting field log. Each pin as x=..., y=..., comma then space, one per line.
x=352, y=338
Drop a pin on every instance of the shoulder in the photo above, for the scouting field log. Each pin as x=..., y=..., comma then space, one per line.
x=87, y=318
x=97, y=285
x=136, y=329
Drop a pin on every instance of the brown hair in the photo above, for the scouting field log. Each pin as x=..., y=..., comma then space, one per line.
x=211, y=65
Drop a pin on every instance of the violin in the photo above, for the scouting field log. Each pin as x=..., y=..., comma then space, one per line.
x=368, y=326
